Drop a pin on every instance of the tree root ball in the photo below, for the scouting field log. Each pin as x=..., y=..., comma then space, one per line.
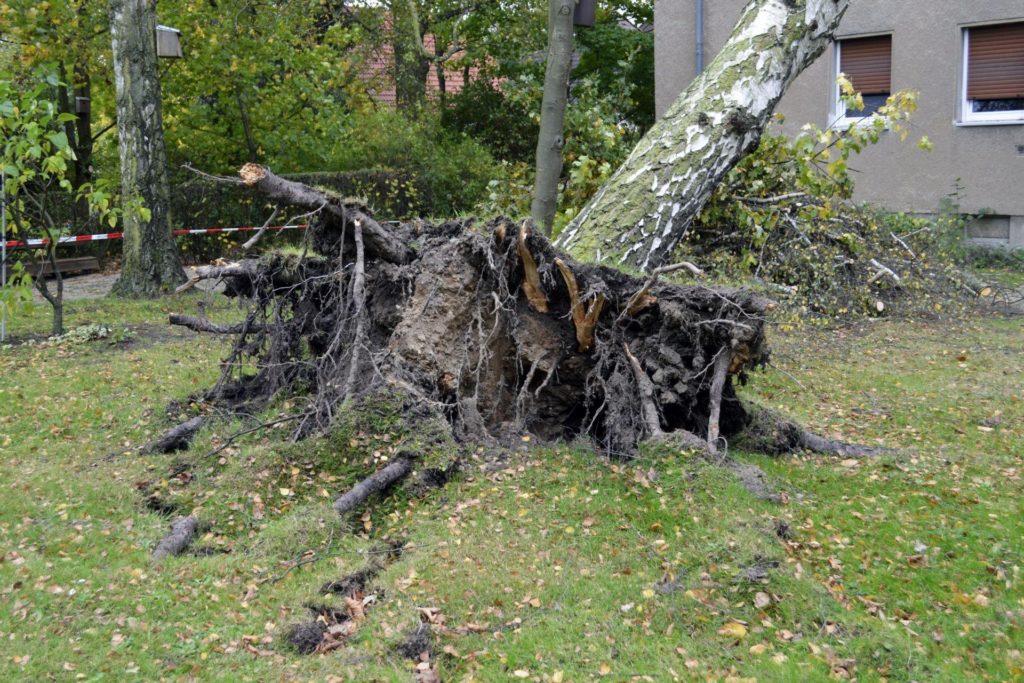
x=488, y=329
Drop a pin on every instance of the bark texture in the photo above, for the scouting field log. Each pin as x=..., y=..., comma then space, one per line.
x=150, y=265
x=638, y=218
x=177, y=438
x=551, y=140
x=183, y=532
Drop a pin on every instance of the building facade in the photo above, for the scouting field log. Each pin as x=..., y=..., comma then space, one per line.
x=966, y=59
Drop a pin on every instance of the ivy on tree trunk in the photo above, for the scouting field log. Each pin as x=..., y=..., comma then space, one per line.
x=644, y=211
x=150, y=262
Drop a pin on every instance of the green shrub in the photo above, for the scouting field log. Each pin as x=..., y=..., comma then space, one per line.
x=450, y=171
x=487, y=115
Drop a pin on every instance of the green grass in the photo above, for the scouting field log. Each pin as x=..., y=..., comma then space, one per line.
x=907, y=567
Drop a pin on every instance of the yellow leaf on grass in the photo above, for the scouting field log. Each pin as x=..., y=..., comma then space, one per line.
x=733, y=629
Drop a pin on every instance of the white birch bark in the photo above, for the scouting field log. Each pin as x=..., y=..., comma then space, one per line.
x=150, y=264
x=643, y=212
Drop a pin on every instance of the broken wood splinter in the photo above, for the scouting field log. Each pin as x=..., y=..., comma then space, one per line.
x=585, y=321
x=531, y=278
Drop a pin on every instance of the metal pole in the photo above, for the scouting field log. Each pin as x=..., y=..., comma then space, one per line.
x=3, y=251
x=700, y=37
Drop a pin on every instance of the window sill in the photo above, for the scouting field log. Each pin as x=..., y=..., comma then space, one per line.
x=990, y=122
x=862, y=122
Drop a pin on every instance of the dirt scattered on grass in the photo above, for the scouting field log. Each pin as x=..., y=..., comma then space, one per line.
x=164, y=508
x=417, y=642
x=331, y=627
x=433, y=478
x=353, y=583
x=783, y=530
x=306, y=636
x=760, y=571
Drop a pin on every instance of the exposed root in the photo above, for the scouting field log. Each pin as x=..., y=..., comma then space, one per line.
x=178, y=438
x=721, y=371
x=198, y=324
x=377, y=482
x=585, y=320
x=183, y=532
x=531, y=279
x=768, y=432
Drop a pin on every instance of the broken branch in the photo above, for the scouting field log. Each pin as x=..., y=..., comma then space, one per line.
x=183, y=531
x=531, y=280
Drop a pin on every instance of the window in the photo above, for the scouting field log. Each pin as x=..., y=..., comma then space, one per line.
x=867, y=63
x=993, y=75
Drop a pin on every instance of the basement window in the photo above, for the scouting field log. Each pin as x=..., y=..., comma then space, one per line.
x=867, y=64
x=993, y=74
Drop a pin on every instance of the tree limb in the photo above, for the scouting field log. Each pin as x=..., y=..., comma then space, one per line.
x=183, y=532
x=379, y=242
x=377, y=482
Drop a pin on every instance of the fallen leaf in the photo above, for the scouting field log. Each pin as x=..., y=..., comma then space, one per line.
x=733, y=629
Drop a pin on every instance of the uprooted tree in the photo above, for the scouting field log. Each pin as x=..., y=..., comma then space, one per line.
x=492, y=332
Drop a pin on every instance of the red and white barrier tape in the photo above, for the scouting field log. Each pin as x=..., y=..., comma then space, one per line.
x=15, y=244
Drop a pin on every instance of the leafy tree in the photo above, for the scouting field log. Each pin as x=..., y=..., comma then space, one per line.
x=37, y=160
x=71, y=36
x=261, y=81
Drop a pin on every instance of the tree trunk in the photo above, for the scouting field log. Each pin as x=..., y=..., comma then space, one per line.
x=151, y=264
x=411, y=64
x=642, y=214
x=552, y=120
x=247, y=132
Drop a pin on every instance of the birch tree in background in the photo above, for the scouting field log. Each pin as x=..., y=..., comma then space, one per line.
x=150, y=262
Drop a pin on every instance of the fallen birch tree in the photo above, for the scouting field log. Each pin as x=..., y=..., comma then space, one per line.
x=638, y=218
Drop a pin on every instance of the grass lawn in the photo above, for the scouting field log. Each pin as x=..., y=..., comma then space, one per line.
x=560, y=567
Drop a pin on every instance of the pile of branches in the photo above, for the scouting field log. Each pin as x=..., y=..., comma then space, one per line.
x=784, y=217
x=489, y=330
x=837, y=260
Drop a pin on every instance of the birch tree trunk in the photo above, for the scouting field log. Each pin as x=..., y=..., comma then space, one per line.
x=150, y=264
x=643, y=212
x=552, y=118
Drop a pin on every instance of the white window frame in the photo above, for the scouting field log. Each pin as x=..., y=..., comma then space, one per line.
x=987, y=118
x=837, y=108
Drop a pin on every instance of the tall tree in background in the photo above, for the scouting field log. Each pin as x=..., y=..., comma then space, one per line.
x=551, y=140
x=639, y=216
x=151, y=264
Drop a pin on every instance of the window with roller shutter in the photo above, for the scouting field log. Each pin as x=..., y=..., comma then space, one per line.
x=867, y=64
x=993, y=74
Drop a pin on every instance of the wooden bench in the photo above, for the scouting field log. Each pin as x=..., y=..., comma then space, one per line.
x=67, y=266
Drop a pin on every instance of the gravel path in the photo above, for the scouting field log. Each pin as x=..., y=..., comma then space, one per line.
x=98, y=285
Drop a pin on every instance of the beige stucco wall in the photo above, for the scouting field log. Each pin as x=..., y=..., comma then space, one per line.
x=927, y=34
